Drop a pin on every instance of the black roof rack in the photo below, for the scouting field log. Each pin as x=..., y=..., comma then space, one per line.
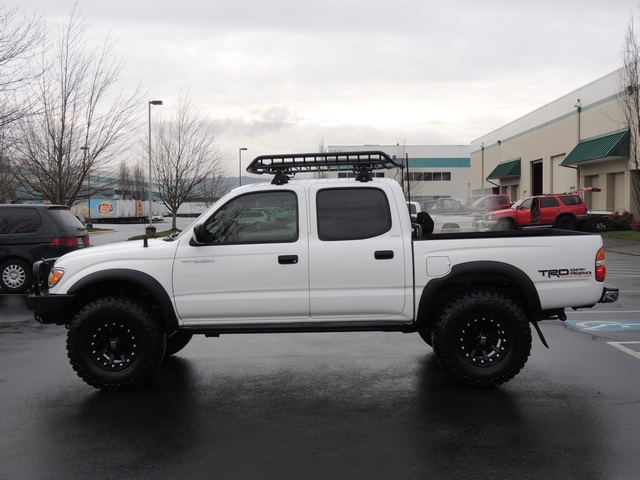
x=286, y=165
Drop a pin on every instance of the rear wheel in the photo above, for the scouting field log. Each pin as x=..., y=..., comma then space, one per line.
x=114, y=343
x=15, y=276
x=482, y=338
x=566, y=223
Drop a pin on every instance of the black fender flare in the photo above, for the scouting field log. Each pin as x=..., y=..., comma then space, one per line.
x=475, y=270
x=141, y=279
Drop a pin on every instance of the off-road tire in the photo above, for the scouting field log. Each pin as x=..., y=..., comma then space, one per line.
x=482, y=338
x=114, y=343
x=426, y=336
x=177, y=342
x=15, y=276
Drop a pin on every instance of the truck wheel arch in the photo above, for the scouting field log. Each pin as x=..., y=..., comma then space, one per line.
x=482, y=275
x=108, y=281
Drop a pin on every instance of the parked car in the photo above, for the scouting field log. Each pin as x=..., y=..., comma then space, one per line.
x=446, y=206
x=564, y=211
x=451, y=222
x=31, y=232
x=492, y=202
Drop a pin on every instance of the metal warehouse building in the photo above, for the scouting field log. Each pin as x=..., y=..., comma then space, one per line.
x=434, y=170
x=578, y=140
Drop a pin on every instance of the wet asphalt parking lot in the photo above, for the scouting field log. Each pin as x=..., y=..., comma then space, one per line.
x=325, y=406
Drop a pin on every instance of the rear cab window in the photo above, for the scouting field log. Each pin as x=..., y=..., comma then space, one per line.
x=352, y=213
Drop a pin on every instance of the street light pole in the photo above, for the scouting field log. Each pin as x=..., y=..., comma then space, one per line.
x=240, y=164
x=85, y=149
x=151, y=102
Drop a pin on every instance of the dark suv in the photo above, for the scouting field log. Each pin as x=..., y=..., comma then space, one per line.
x=31, y=232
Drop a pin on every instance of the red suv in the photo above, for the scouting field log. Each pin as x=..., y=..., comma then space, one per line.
x=563, y=210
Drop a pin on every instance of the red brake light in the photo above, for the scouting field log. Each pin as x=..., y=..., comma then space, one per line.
x=601, y=270
x=60, y=242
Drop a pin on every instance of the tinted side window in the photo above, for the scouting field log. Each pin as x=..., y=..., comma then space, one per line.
x=548, y=202
x=19, y=220
x=571, y=199
x=266, y=217
x=502, y=200
x=352, y=214
x=65, y=220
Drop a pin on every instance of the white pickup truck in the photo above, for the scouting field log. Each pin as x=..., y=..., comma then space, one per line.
x=332, y=255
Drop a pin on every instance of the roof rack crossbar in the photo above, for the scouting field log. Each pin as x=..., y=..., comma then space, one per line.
x=285, y=165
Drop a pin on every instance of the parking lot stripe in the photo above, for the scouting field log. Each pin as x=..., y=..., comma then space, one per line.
x=620, y=346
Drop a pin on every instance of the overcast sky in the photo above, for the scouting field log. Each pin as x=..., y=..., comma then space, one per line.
x=281, y=76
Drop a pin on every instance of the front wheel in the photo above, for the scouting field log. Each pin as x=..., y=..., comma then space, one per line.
x=114, y=343
x=505, y=225
x=15, y=276
x=482, y=338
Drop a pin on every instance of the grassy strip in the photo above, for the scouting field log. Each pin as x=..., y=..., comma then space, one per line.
x=622, y=235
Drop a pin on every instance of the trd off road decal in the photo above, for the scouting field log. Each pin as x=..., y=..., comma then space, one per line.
x=566, y=273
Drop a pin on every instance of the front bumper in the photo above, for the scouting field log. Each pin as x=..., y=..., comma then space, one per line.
x=47, y=308
x=486, y=225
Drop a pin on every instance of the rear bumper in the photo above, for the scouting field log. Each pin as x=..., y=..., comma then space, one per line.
x=609, y=294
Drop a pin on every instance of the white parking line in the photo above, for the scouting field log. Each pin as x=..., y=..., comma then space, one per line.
x=620, y=346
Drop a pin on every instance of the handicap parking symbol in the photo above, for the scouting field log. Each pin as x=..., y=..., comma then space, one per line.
x=606, y=325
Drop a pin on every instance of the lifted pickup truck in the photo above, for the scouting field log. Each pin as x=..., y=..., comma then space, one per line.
x=348, y=259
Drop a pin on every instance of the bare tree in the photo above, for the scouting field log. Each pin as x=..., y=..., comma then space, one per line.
x=78, y=109
x=20, y=38
x=186, y=153
x=139, y=182
x=321, y=149
x=7, y=184
x=211, y=189
x=124, y=180
x=629, y=103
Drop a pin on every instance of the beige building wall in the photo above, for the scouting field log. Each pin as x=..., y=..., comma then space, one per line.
x=544, y=138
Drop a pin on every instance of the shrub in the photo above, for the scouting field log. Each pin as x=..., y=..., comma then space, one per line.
x=619, y=221
x=635, y=225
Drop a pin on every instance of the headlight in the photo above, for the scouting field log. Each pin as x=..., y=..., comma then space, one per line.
x=55, y=276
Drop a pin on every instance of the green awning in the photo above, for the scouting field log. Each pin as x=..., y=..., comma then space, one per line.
x=508, y=169
x=605, y=147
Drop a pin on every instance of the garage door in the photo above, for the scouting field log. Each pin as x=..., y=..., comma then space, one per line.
x=618, y=191
x=597, y=200
x=562, y=178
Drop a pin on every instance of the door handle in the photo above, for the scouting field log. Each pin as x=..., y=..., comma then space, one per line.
x=288, y=259
x=383, y=255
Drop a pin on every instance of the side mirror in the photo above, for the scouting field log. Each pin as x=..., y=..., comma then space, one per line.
x=199, y=234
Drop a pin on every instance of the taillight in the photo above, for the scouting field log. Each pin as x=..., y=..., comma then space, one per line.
x=60, y=242
x=601, y=270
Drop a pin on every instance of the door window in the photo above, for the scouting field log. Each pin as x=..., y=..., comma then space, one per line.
x=265, y=217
